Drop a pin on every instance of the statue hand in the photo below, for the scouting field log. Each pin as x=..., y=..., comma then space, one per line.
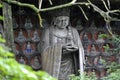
x=70, y=47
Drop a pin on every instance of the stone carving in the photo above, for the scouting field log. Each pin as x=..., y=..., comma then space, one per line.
x=21, y=60
x=21, y=38
x=28, y=49
x=35, y=37
x=99, y=40
x=100, y=66
x=28, y=26
x=86, y=40
x=15, y=25
x=92, y=51
x=79, y=25
x=35, y=63
x=60, y=43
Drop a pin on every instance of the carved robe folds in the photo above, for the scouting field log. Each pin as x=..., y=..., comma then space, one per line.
x=54, y=60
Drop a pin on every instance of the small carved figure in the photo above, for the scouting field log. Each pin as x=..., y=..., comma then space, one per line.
x=28, y=24
x=101, y=66
x=21, y=38
x=35, y=37
x=92, y=51
x=21, y=60
x=28, y=49
x=35, y=63
x=100, y=40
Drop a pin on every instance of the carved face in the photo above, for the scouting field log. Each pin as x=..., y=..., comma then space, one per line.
x=20, y=33
x=62, y=21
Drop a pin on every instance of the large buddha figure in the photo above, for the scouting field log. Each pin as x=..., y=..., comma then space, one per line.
x=61, y=47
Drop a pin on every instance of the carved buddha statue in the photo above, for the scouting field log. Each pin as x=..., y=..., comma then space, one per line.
x=20, y=38
x=100, y=40
x=35, y=63
x=61, y=46
x=93, y=52
x=85, y=41
x=28, y=24
x=35, y=37
x=28, y=49
x=21, y=60
x=100, y=65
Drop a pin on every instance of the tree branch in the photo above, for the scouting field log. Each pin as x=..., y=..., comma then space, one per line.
x=22, y=4
x=46, y=9
x=50, y=2
x=40, y=4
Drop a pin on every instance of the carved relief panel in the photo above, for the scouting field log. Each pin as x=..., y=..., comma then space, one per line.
x=27, y=38
x=95, y=53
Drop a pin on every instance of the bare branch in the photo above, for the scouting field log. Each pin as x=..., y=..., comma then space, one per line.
x=40, y=19
x=50, y=2
x=110, y=31
x=113, y=11
x=108, y=2
x=32, y=6
x=105, y=5
x=40, y=4
x=73, y=1
x=46, y=9
x=105, y=15
x=83, y=12
x=63, y=6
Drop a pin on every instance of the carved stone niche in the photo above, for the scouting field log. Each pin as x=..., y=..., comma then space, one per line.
x=35, y=62
x=28, y=49
x=93, y=50
x=100, y=66
x=88, y=64
x=17, y=48
x=93, y=54
x=35, y=35
x=86, y=38
x=21, y=59
x=20, y=36
x=108, y=54
x=99, y=40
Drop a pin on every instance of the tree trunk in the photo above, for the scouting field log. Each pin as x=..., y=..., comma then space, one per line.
x=8, y=26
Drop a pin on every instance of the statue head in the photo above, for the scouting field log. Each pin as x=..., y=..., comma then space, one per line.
x=61, y=21
x=20, y=33
x=61, y=18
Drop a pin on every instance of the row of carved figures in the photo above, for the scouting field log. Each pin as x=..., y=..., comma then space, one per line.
x=33, y=61
x=26, y=24
x=26, y=42
x=96, y=54
x=22, y=35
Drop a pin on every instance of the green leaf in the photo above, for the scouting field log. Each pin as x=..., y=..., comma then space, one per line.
x=1, y=18
x=1, y=5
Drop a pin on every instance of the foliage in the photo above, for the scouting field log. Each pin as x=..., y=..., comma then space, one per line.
x=83, y=77
x=114, y=70
x=10, y=69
